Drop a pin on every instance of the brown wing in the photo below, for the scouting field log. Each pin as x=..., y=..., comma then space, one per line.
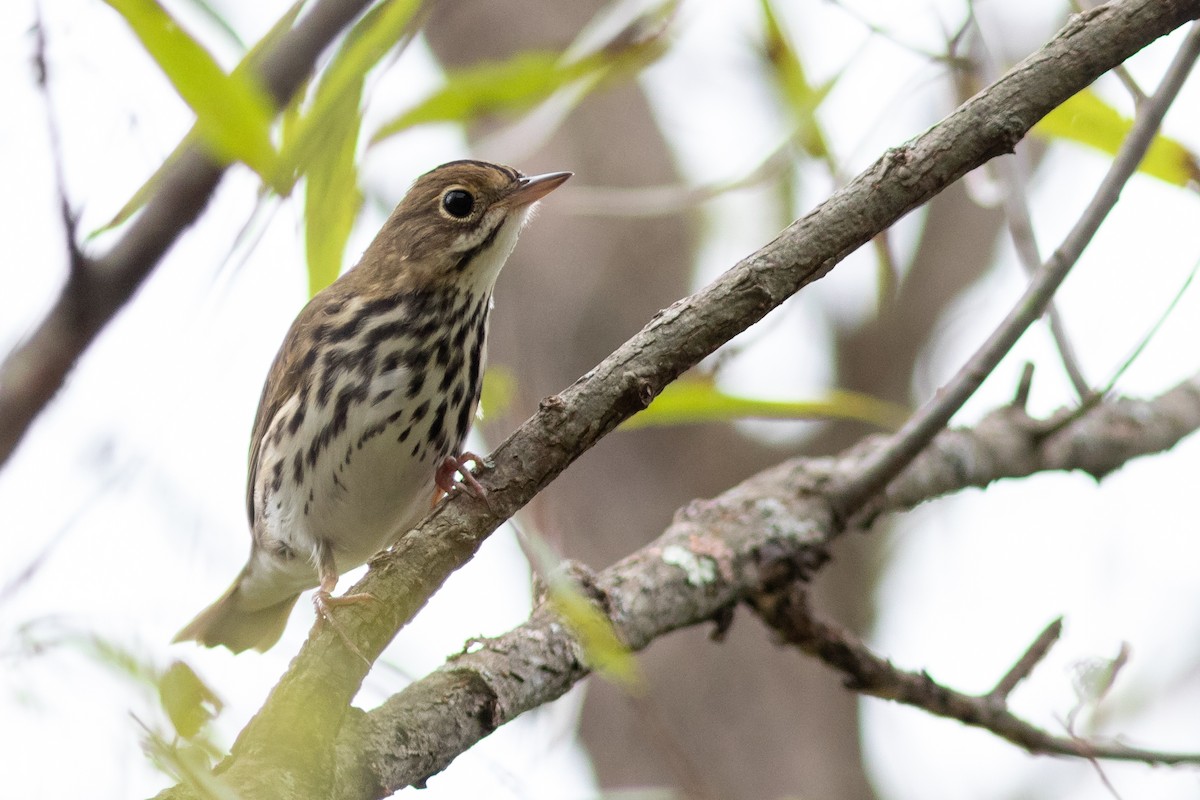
x=290, y=370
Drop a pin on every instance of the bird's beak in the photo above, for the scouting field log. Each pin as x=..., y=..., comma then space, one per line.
x=534, y=188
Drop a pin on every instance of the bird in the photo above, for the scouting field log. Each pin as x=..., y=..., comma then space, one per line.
x=367, y=404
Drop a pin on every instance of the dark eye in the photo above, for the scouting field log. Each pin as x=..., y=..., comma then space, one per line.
x=458, y=203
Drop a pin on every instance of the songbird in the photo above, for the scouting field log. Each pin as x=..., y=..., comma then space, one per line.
x=368, y=402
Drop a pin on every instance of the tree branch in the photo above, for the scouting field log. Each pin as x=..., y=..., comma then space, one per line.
x=887, y=462
x=789, y=613
x=752, y=539
x=97, y=288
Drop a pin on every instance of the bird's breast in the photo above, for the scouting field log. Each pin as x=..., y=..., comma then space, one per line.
x=350, y=458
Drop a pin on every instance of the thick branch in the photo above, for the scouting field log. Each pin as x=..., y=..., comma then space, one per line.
x=97, y=288
x=755, y=537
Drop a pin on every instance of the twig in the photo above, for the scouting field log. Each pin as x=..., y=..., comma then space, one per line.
x=891, y=459
x=1013, y=173
x=35, y=370
x=870, y=674
x=1020, y=226
x=75, y=258
x=1025, y=665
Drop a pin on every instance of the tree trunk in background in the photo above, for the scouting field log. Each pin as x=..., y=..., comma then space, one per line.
x=741, y=719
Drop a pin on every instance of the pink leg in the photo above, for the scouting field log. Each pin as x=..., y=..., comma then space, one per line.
x=324, y=601
x=458, y=465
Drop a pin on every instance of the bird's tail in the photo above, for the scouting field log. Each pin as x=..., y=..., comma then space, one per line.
x=228, y=622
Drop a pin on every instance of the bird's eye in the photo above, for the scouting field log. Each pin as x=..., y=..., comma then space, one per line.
x=458, y=203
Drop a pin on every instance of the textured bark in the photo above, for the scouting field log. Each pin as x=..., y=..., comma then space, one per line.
x=751, y=540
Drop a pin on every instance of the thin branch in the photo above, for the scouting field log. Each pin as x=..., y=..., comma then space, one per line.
x=871, y=674
x=75, y=259
x=934, y=416
x=1020, y=226
x=34, y=371
x=1033, y=655
x=754, y=537
x=1013, y=175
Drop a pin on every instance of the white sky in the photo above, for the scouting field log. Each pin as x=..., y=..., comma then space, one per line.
x=127, y=496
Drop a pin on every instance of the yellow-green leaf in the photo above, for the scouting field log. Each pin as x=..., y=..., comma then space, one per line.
x=605, y=653
x=499, y=389
x=513, y=85
x=189, y=702
x=1088, y=120
x=281, y=184
x=791, y=82
x=233, y=112
x=603, y=649
x=693, y=400
x=382, y=28
x=530, y=77
x=332, y=197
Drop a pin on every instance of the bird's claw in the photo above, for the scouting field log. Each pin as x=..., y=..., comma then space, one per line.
x=324, y=601
x=452, y=466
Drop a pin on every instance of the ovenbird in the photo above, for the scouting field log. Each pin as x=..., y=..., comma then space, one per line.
x=370, y=397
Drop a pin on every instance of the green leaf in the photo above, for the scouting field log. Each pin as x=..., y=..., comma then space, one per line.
x=604, y=651
x=233, y=112
x=499, y=389
x=188, y=701
x=372, y=37
x=513, y=85
x=530, y=77
x=322, y=140
x=602, y=648
x=1089, y=120
x=693, y=400
x=791, y=82
x=148, y=188
x=332, y=198
x=219, y=21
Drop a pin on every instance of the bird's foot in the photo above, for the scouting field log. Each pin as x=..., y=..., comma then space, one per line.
x=453, y=466
x=324, y=602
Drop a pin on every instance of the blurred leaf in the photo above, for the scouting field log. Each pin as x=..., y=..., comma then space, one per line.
x=1089, y=120
x=603, y=649
x=188, y=701
x=513, y=85
x=371, y=38
x=692, y=400
x=499, y=389
x=605, y=653
x=321, y=142
x=791, y=80
x=124, y=661
x=144, y=191
x=530, y=77
x=233, y=112
x=188, y=764
x=332, y=198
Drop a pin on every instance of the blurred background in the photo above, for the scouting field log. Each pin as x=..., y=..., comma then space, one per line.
x=700, y=130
